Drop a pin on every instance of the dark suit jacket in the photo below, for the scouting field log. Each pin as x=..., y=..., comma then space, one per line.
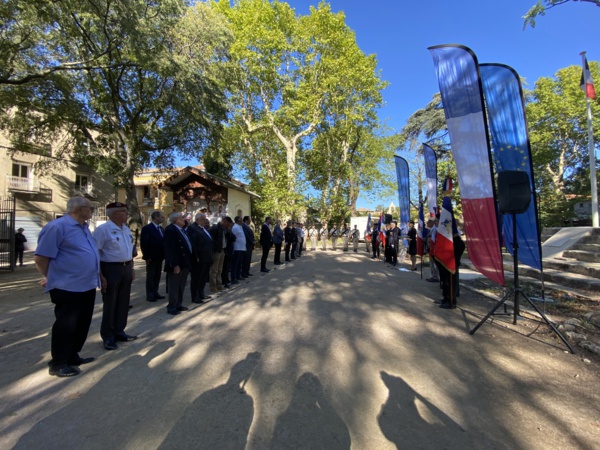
x=177, y=252
x=217, y=231
x=266, y=238
x=203, y=245
x=249, y=234
x=290, y=235
x=151, y=243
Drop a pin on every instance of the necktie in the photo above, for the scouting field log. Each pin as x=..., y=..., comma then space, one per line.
x=160, y=230
x=186, y=240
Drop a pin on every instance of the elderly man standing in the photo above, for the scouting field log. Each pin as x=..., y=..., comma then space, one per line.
x=250, y=241
x=151, y=243
x=218, y=233
x=178, y=261
x=239, y=249
x=266, y=241
x=202, y=257
x=115, y=245
x=277, y=242
x=67, y=257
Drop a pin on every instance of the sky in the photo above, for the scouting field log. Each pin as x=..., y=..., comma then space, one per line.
x=398, y=32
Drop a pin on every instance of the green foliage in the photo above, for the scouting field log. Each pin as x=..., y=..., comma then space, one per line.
x=557, y=121
x=120, y=85
x=540, y=8
x=300, y=84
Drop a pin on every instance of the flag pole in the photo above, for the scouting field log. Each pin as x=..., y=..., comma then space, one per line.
x=592, y=154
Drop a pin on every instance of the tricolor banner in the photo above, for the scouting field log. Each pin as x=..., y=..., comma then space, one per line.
x=403, y=191
x=458, y=78
x=444, y=241
x=421, y=232
x=431, y=177
x=587, y=83
x=511, y=151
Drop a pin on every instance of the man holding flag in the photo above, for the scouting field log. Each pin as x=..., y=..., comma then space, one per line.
x=449, y=248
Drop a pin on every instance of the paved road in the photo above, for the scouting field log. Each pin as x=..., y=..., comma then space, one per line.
x=331, y=351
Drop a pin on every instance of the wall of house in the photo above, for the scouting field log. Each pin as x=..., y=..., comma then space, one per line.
x=49, y=191
x=236, y=201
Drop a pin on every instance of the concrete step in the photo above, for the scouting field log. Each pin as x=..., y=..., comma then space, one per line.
x=548, y=232
x=595, y=248
x=588, y=269
x=582, y=255
x=557, y=276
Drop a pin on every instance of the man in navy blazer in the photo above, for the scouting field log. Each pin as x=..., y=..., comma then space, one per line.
x=178, y=260
x=151, y=243
x=266, y=241
x=202, y=257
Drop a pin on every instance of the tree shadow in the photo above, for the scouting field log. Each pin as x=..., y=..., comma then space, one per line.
x=310, y=421
x=407, y=417
x=219, y=418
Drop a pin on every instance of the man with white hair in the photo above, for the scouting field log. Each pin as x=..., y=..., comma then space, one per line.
x=202, y=257
x=239, y=249
x=67, y=258
x=117, y=250
x=178, y=261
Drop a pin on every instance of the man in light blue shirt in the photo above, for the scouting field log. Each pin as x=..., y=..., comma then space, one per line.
x=68, y=259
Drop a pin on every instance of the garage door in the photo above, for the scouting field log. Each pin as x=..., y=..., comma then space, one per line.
x=32, y=226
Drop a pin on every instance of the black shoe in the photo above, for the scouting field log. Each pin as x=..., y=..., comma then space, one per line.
x=182, y=308
x=173, y=312
x=159, y=297
x=153, y=300
x=130, y=306
x=63, y=372
x=110, y=344
x=249, y=275
x=78, y=361
x=244, y=277
x=235, y=282
x=448, y=306
x=439, y=302
x=227, y=286
x=433, y=280
x=292, y=259
x=125, y=337
x=205, y=297
x=200, y=301
x=265, y=270
x=277, y=263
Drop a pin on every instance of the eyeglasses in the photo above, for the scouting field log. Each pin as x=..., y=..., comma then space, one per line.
x=91, y=208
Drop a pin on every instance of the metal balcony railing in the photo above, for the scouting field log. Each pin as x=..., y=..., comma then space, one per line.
x=21, y=184
x=87, y=191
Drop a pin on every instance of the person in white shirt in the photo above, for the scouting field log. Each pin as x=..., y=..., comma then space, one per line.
x=239, y=248
x=116, y=248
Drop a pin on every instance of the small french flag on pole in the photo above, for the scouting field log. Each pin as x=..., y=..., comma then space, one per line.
x=447, y=186
x=587, y=83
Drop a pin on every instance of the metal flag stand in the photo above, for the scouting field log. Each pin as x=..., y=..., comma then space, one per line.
x=516, y=291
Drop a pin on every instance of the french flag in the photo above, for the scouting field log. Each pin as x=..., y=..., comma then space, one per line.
x=587, y=83
x=421, y=232
x=444, y=241
x=381, y=231
x=447, y=186
x=460, y=88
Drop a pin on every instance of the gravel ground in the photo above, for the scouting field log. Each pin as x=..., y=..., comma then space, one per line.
x=331, y=351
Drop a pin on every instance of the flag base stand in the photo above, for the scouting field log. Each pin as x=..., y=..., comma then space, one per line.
x=515, y=292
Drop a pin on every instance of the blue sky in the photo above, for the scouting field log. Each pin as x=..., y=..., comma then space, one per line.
x=399, y=32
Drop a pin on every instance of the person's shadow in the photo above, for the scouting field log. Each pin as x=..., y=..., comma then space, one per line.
x=310, y=421
x=411, y=421
x=219, y=418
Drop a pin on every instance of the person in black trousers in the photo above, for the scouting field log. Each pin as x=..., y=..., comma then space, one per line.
x=277, y=241
x=289, y=234
x=266, y=241
x=178, y=251
x=393, y=235
x=20, y=240
x=153, y=252
x=202, y=257
x=250, y=241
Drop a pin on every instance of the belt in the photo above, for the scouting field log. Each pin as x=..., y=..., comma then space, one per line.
x=124, y=263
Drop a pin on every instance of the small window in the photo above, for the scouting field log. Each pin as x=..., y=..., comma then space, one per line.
x=20, y=170
x=81, y=180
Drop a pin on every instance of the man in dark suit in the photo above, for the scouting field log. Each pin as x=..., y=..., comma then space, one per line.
x=392, y=239
x=266, y=241
x=218, y=235
x=178, y=251
x=290, y=237
x=153, y=252
x=202, y=257
x=250, y=241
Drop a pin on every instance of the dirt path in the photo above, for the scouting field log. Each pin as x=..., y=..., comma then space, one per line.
x=331, y=351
